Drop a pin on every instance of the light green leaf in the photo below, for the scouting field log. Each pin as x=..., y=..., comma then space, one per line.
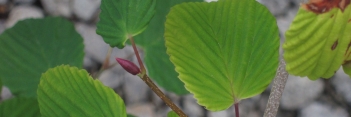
x=20, y=107
x=69, y=92
x=152, y=42
x=224, y=51
x=32, y=46
x=317, y=44
x=172, y=114
x=120, y=19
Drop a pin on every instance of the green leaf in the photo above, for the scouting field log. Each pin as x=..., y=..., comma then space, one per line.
x=0, y=86
x=20, y=107
x=156, y=59
x=151, y=40
x=32, y=46
x=223, y=51
x=129, y=115
x=69, y=92
x=172, y=114
x=120, y=19
x=317, y=44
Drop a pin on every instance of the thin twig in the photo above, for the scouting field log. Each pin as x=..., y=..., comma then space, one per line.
x=276, y=91
x=105, y=65
x=153, y=87
x=168, y=102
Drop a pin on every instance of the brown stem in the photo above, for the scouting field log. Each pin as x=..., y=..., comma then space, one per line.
x=277, y=90
x=153, y=87
x=168, y=102
x=105, y=65
x=142, y=68
x=236, y=107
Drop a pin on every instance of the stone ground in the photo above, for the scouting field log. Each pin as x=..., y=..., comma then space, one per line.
x=301, y=98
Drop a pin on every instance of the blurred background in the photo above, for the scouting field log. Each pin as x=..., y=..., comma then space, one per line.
x=301, y=98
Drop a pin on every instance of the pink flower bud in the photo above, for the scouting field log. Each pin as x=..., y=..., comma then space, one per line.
x=128, y=66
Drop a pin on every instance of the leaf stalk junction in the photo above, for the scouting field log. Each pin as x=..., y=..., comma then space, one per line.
x=152, y=85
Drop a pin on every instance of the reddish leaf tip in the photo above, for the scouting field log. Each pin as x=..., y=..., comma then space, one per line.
x=322, y=6
x=128, y=66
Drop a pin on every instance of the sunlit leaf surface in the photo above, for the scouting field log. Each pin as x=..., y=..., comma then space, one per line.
x=223, y=51
x=66, y=91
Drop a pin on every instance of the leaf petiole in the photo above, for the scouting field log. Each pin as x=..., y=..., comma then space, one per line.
x=236, y=107
x=142, y=68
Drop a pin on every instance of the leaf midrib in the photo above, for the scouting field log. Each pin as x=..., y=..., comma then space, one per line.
x=225, y=63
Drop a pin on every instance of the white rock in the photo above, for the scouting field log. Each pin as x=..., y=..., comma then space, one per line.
x=87, y=62
x=24, y=1
x=174, y=97
x=157, y=100
x=191, y=107
x=276, y=7
x=58, y=7
x=299, y=92
x=161, y=108
x=246, y=107
x=253, y=113
x=85, y=9
x=3, y=2
x=211, y=0
x=298, y=2
x=162, y=111
x=135, y=89
x=96, y=48
x=5, y=93
x=261, y=103
x=141, y=110
x=218, y=114
x=285, y=21
x=342, y=84
x=111, y=78
x=23, y=12
x=317, y=109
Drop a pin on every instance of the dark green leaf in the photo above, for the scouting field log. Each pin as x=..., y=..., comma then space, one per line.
x=32, y=46
x=20, y=107
x=129, y=115
x=120, y=19
x=152, y=42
